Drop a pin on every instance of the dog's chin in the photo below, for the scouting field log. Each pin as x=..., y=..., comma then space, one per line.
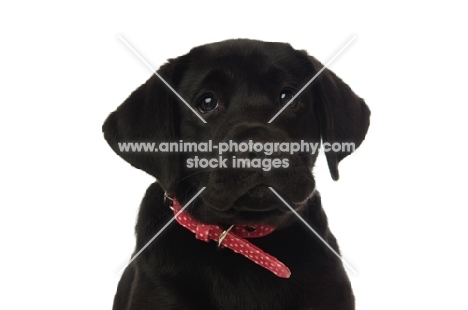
x=231, y=216
x=271, y=217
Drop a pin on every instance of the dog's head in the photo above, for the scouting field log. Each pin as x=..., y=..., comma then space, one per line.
x=237, y=86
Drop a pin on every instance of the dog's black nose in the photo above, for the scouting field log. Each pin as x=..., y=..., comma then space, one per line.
x=249, y=154
x=252, y=155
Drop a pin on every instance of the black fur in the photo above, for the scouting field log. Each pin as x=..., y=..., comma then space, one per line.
x=180, y=272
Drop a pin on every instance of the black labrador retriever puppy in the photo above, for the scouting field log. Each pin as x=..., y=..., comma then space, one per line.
x=236, y=86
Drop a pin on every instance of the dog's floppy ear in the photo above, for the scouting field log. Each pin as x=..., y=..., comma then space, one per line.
x=149, y=115
x=342, y=115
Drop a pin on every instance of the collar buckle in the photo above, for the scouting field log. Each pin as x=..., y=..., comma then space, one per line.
x=223, y=235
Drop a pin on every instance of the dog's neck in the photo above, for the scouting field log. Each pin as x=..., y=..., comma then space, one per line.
x=233, y=238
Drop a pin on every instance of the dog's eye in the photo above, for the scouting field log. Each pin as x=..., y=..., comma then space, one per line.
x=207, y=103
x=286, y=96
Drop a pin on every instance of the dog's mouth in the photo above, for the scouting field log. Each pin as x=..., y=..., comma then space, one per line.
x=245, y=196
x=257, y=199
x=257, y=205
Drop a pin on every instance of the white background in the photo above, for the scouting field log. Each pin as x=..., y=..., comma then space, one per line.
x=68, y=203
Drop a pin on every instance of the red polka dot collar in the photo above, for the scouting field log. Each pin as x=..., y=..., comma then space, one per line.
x=233, y=238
